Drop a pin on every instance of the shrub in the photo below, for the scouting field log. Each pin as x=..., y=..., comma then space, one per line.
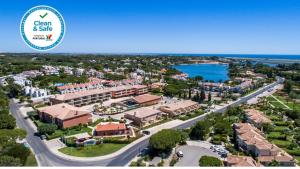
x=208, y=161
x=116, y=140
x=47, y=128
x=70, y=142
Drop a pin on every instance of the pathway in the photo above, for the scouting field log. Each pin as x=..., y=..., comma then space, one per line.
x=281, y=102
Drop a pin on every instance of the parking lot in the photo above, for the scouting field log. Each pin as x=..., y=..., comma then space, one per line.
x=192, y=154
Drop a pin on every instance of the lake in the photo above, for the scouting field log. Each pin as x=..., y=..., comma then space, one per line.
x=213, y=72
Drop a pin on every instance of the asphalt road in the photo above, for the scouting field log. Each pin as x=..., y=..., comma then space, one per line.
x=47, y=158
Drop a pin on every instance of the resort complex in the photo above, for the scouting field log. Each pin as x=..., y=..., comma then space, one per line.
x=98, y=110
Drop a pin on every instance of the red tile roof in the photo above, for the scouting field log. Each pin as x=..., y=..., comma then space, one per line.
x=110, y=126
x=146, y=98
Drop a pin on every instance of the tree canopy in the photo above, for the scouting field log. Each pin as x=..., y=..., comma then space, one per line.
x=166, y=139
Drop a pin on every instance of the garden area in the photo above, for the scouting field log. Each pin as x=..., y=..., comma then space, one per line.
x=92, y=150
x=191, y=115
x=284, y=131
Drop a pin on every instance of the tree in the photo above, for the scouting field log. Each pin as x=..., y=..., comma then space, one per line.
x=200, y=130
x=209, y=96
x=288, y=86
x=6, y=161
x=222, y=127
x=198, y=78
x=171, y=90
x=47, y=128
x=7, y=121
x=9, y=136
x=18, y=151
x=165, y=140
x=208, y=161
x=202, y=95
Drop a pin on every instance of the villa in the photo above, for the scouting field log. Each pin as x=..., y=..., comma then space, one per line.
x=257, y=118
x=143, y=116
x=93, y=84
x=82, y=98
x=35, y=92
x=64, y=115
x=128, y=90
x=109, y=129
x=241, y=161
x=251, y=140
x=147, y=99
x=180, y=107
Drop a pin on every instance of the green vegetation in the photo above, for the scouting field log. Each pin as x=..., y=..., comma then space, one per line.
x=200, y=130
x=47, y=128
x=192, y=115
x=31, y=161
x=50, y=80
x=138, y=163
x=11, y=152
x=166, y=139
x=92, y=150
x=52, y=131
x=208, y=161
x=158, y=123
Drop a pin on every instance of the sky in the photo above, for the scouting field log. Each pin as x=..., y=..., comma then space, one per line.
x=164, y=26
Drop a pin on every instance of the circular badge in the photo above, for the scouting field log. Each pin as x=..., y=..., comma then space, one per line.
x=42, y=28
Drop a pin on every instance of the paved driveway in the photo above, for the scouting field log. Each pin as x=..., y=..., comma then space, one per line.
x=192, y=154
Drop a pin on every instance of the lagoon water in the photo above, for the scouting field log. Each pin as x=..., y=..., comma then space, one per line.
x=209, y=72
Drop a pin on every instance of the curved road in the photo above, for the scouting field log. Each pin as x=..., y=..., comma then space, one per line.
x=47, y=158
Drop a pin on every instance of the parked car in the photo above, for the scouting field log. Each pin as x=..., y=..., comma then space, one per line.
x=43, y=137
x=146, y=132
x=179, y=154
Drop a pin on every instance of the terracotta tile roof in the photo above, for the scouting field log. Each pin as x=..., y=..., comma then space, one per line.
x=180, y=105
x=75, y=95
x=110, y=126
x=241, y=161
x=142, y=112
x=279, y=158
x=63, y=111
x=257, y=116
x=252, y=136
x=146, y=98
x=79, y=94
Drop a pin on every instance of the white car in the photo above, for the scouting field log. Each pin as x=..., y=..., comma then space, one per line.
x=179, y=154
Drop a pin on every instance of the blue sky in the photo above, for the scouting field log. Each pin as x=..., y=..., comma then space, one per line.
x=164, y=26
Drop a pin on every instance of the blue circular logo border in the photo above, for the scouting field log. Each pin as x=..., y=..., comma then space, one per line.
x=43, y=7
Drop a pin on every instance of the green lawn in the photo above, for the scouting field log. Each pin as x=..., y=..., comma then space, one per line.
x=92, y=151
x=281, y=128
x=31, y=161
x=281, y=143
x=274, y=135
x=290, y=102
x=58, y=133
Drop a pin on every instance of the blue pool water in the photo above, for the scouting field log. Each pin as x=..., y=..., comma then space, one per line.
x=213, y=72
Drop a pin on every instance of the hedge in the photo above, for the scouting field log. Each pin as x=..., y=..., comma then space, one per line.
x=208, y=161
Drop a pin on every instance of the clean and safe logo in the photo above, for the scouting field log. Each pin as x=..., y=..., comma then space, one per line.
x=42, y=28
